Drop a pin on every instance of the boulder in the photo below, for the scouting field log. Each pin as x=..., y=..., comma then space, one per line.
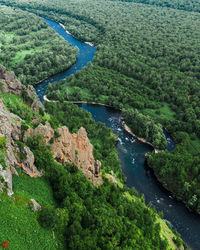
x=35, y=206
x=7, y=180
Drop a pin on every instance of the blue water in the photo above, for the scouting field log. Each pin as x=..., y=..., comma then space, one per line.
x=132, y=154
x=85, y=55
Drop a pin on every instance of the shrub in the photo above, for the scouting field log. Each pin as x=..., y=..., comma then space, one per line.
x=24, y=126
x=47, y=217
x=3, y=142
x=41, y=111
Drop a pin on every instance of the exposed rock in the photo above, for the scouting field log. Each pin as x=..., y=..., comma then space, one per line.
x=36, y=120
x=45, y=130
x=72, y=148
x=10, y=84
x=10, y=127
x=77, y=149
x=28, y=164
x=35, y=206
x=7, y=180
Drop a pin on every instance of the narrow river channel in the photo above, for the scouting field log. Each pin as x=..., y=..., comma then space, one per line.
x=131, y=152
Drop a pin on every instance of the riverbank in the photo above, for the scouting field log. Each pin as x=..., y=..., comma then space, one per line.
x=125, y=126
x=56, y=74
x=169, y=190
x=63, y=26
x=81, y=102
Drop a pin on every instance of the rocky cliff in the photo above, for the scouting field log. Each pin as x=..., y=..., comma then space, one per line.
x=72, y=148
x=10, y=128
x=10, y=84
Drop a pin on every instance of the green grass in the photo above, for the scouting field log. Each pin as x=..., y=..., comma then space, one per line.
x=16, y=105
x=19, y=57
x=19, y=225
x=20, y=228
x=36, y=188
x=84, y=94
x=165, y=113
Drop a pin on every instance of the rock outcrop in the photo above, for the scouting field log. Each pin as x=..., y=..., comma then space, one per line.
x=71, y=148
x=10, y=128
x=35, y=206
x=10, y=84
x=6, y=181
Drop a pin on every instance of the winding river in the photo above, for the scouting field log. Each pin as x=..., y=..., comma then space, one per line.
x=131, y=152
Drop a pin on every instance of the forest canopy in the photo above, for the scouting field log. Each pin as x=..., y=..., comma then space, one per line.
x=30, y=48
x=155, y=52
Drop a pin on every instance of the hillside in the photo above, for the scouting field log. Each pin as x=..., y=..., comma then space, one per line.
x=39, y=161
x=147, y=63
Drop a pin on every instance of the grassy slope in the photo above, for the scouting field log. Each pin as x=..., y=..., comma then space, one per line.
x=19, y=225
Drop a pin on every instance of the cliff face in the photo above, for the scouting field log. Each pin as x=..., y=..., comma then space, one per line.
x=10, y=84
x=72, y=148
x=10, y=128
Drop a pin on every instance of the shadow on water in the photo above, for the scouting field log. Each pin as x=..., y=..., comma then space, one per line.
x=132, y=152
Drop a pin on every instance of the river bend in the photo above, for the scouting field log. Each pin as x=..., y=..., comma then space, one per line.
x=131, y=152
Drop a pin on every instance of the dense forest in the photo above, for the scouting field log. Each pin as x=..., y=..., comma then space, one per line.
x=187, y=5
x=78, y=214
x=144, y=126
x=155, y=53
x=30, y=48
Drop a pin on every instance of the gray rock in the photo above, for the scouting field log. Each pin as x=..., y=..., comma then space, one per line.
x=35, y=206
x=28, y=164
x=10, y=84
x=7, y=178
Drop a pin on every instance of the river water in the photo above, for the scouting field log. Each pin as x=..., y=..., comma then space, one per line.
x=131, y=152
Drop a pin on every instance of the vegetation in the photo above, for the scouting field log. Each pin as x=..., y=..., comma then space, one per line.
x=175, y=4
x=76, y=214
x=154, y=53
x=3, y=142
x=166, y=166
x=19, y=225
x=100, y=136
x=144, y=126
x=27, y=46
x=95, y=217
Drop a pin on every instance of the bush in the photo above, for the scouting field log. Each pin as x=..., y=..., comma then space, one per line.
x=47, y=217
x=3, y=142
x=41, y=111
x=56, y=134
x=24, y=126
